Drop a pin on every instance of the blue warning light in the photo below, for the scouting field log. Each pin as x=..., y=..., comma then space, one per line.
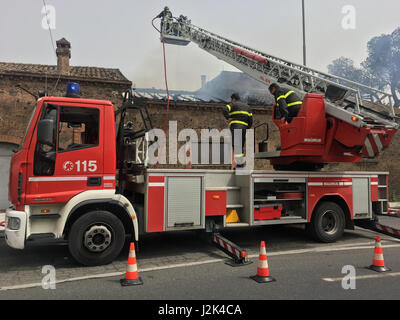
x=73, y=90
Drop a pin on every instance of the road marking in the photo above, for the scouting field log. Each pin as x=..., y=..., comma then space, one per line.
x=33, y=285
x=370, y=276
x=345, y=247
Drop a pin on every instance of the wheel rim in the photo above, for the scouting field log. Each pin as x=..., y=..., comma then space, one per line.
x=329, y=221
x=98, y=238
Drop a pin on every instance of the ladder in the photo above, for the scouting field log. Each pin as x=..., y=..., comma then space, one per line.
x=132, y=143
x=349, y=101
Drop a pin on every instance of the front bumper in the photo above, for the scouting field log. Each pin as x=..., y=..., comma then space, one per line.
x=16, y=238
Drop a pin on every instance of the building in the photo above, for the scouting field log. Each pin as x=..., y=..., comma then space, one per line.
x=20, y=83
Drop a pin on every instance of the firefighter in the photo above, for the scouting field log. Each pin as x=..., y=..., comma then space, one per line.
x=240, y=119
x=167, y=16
x=181, y=20
x=287, y=101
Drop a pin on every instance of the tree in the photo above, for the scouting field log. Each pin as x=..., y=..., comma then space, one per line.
x=381, y=68
x=383, y=62
x=344, y=67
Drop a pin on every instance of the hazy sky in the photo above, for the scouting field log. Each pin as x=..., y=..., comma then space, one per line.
x=119, y=34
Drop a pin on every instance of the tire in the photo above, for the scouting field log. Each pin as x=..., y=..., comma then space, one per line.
x=327, y=222
x=102, y=251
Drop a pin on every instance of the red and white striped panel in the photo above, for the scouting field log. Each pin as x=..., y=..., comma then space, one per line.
x=394, y=232
x=373, y=145
x=229, y=247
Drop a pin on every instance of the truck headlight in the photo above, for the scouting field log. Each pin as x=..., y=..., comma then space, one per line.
x=13, y=223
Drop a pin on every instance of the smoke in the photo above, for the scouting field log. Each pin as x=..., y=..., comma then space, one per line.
x=228, y=82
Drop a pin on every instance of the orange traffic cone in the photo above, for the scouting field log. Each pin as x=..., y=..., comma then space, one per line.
x=262, y=270
x=378, y=264
x=132, y=276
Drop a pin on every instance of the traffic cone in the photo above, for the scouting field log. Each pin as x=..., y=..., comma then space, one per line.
x=132, y=276
x=262, y=275
x=378, y=264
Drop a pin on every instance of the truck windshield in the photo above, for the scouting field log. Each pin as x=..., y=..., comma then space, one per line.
x=27, y=128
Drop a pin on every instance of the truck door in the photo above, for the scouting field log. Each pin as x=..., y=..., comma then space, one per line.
x=184, y=202
x=361, y=198
x=72, y=160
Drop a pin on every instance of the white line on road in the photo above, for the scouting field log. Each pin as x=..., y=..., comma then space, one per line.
x=370, y=276
x=345, y=247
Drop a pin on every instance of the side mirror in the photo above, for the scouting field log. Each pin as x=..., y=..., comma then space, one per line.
x=45, y=132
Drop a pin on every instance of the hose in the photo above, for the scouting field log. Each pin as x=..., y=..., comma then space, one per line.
x=165, y=77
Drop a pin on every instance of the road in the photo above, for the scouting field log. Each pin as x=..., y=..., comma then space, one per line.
x=184, y=266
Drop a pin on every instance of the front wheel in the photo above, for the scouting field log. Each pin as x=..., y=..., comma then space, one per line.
x=96, y=238
x=327, y=222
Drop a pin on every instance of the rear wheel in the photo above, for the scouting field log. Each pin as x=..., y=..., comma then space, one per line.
x=96, y=238
x=327, y=222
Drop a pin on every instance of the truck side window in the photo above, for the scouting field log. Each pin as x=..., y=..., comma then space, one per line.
x=45, y=155
x=78, y=128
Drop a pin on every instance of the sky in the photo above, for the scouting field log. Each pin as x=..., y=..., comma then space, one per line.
x=119, y=34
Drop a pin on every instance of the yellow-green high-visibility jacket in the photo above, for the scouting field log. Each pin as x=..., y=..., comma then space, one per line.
x=288, y=102
x=240, y=113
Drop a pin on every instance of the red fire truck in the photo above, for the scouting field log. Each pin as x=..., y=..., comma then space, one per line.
x=73, y=177
x=73, y=191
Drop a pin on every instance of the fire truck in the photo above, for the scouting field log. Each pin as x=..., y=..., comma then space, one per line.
x=82, y=176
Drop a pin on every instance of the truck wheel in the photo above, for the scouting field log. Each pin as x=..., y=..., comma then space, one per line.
x=96, y=238
x=327, y=222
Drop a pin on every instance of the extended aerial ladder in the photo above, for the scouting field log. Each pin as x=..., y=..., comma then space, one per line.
x=360, y=121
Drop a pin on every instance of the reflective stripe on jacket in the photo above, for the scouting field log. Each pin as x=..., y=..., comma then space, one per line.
x=285, y=99
x=239, y=113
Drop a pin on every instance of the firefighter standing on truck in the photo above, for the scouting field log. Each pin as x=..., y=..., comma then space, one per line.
x=240, y=119
x=287, y=101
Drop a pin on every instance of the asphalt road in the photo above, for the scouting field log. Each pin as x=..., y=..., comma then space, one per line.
x=313, y=275
x=184, y=266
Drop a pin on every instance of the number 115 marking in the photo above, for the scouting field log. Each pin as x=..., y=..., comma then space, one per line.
x=90, y=165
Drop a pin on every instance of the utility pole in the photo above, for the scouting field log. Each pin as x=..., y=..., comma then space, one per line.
x=304, y=35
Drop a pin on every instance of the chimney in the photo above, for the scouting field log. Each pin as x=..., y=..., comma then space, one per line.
x=63, y=55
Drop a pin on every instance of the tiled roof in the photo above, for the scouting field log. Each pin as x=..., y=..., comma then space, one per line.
x=78, y=73
x=175, y=95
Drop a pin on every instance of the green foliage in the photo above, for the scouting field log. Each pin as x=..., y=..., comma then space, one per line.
x=381, y=68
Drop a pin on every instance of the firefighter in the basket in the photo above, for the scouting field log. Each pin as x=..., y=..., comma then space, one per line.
x=287, y=102
x=167, y=15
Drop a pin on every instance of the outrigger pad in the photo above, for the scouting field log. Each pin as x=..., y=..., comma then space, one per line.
x=235, y=263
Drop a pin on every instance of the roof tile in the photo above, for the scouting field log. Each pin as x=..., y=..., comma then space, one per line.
x=81, y=72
